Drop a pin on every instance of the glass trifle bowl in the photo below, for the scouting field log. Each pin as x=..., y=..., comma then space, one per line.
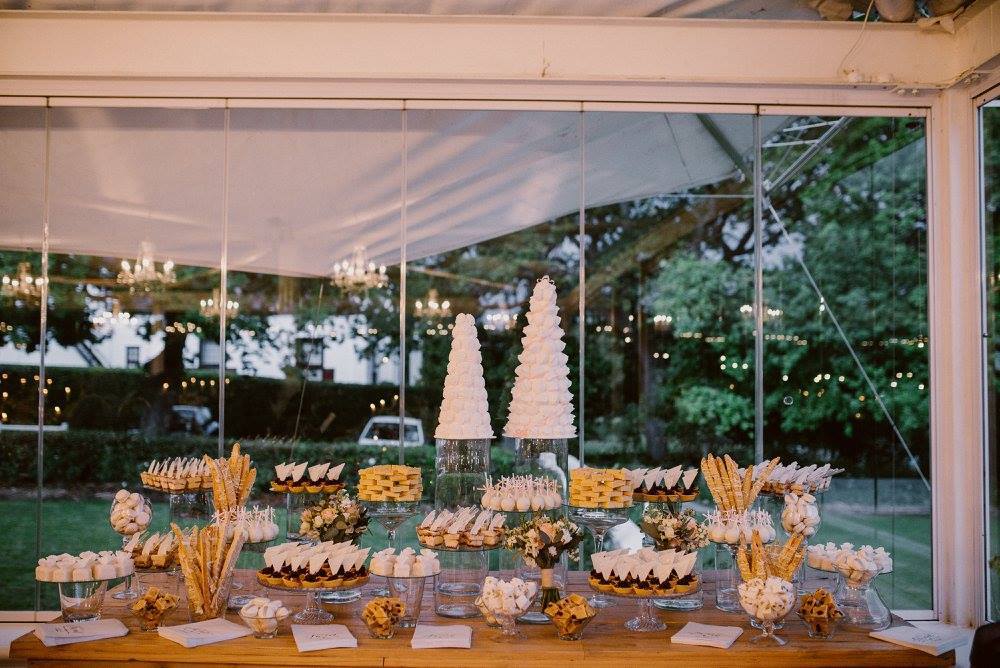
x=768, y=602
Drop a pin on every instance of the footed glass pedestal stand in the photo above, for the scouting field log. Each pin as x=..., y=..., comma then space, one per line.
x=599, y=521
x=130, y=591
x=391, y=515
x=861, y=604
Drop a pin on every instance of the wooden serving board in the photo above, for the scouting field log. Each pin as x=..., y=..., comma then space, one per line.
x=605, y=642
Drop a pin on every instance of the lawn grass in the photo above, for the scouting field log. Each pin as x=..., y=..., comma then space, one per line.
x=75, y=526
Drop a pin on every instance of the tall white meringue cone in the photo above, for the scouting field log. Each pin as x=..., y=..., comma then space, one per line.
x=465, y=411
x=541, y=405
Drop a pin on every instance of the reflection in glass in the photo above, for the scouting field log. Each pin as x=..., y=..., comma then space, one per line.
x=990, y=164
x=846, y=357
x=22, y=143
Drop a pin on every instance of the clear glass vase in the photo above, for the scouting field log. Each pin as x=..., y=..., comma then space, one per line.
x=82, y=601
x=727, y=593
x=547, y=457
x=409, y=590
x=462, y=466
x=861, y=604
x=459, y=583
x=552, y=579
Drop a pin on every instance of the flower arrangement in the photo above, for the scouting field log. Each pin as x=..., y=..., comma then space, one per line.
x=541, y=542
x=336, y=518
x=680, y=531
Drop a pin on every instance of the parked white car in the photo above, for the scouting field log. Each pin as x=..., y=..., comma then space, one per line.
x=384, y=430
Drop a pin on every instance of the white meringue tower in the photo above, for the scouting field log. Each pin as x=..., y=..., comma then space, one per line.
x=465, y=410
x=541, y=405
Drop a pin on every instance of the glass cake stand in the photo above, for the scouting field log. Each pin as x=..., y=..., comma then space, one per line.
x=311, y=612
x=646, y=621
x=191, y=507
x=599, y=521
x=686, y=602
x=391, y=515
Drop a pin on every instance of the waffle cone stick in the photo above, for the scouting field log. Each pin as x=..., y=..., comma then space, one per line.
x=758, y=556
x=189, y=568
x=762, y=478
x=734, y=482
x=744, y=563
x=727, y=483
x=747, y=485
x=232, y=554
x=220, y=545
x=710, y=482
x=718, y=490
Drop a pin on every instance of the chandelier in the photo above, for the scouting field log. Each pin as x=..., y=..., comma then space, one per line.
x=357, y=273
x=499, y=320
x=211, y=307
x=144, y=273
x=22, y=285
x=432, y=307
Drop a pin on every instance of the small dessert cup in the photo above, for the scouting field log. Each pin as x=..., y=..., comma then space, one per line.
x=264, y=628
x=820, y=628
x=570, y=629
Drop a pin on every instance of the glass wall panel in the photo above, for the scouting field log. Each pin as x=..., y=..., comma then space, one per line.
x=312, y=353
x=846, y=354
x=669, y=355
x=22, y=157
x=990, y=164
x=669, y=238
x=136, y=242
x=493, y=197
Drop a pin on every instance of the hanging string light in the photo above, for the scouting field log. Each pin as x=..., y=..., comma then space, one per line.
x=358, y=273
x=144, y=273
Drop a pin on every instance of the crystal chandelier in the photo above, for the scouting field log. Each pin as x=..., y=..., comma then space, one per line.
x=357, y=273
x=144, y=273
x=22, y=285
x=431, y=307
x=499, y=320
x=210, y=308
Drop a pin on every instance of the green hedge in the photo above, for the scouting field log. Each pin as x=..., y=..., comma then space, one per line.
x=117, y=399
x=88, y=459
x=84, y=460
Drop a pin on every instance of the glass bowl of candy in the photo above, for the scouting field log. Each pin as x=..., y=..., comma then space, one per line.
x=152, y=607
x=505, y=601
x=820, y=614
x=767, y=602
x=382, y=616
x=570, y=616
x=262, y=616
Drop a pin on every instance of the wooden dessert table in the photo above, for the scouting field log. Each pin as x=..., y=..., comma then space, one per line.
x=605, y=642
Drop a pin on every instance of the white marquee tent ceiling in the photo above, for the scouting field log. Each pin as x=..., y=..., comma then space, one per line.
x=716, y=9
x=307, y=185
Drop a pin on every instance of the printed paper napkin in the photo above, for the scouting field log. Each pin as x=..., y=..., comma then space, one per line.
x=694, y=633
x=203, y=633
x=426, y=636
x=309, y=638
x=70, y=632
